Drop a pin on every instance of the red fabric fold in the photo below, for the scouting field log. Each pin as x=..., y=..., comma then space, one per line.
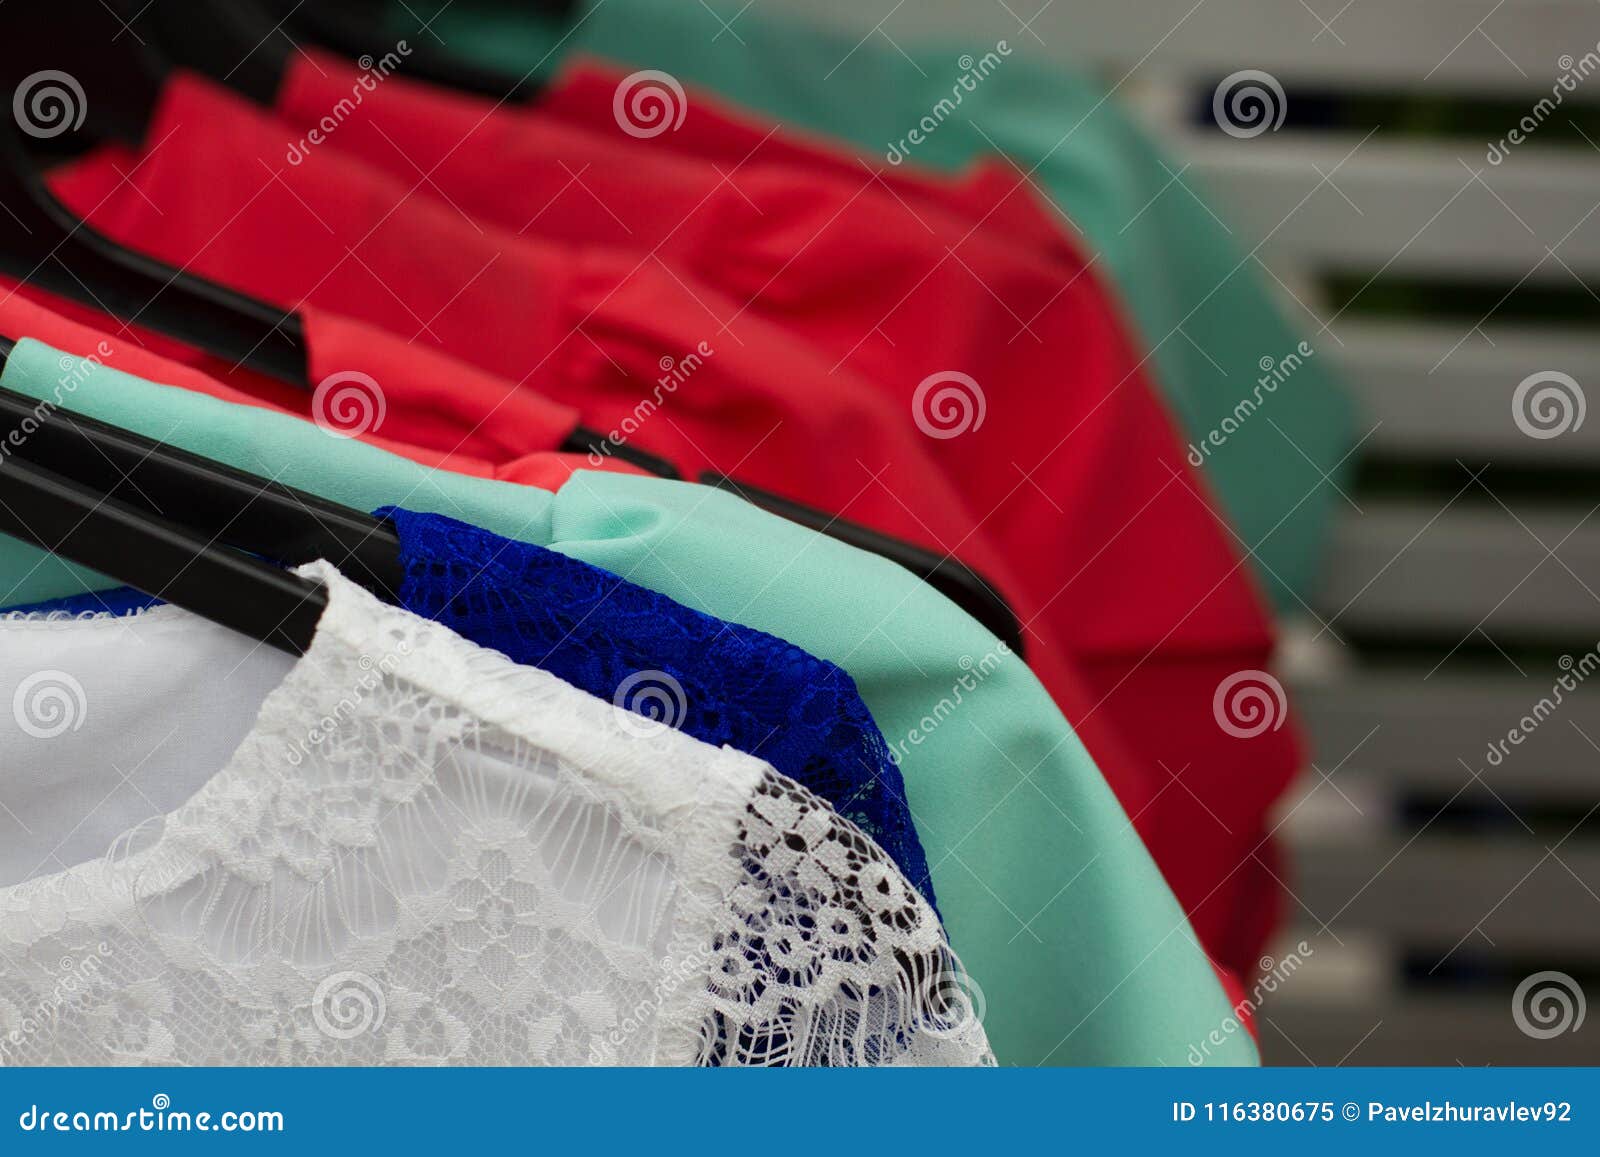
x=794, y=330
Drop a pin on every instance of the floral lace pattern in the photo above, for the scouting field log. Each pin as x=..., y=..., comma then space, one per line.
x=425, y=854
x=117, y=601
x=730, y=685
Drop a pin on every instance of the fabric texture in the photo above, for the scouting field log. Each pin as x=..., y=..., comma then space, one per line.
x=1079, y=534
x=724, y=684
x=574, y=130
x=1083, y=952
x=720, y=682
x=1201, y=307
x=454, y=415
x=423, y=853
x=115, y=602
x=900, y=295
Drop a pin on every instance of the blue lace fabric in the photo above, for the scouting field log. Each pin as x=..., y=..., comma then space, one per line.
x=722, y=683
x=118, y=601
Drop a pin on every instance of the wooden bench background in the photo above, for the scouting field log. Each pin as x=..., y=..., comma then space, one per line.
x=1428, y=881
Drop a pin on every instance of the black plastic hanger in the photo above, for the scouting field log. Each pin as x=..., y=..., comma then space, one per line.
x=74, y=81
x=292, y=526
x=51, y=51
x=159, y=557
x=184, y=528
x=238, y=43
x=212, y=499
x=957, y=581
x=365, y=28
x=43, y=243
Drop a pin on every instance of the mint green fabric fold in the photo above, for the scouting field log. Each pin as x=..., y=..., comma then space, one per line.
x=1079, y=949
x=1196, y=300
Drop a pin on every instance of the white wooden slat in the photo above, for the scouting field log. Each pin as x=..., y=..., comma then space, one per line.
x=1411, y=730
x=1351, y=1003
x=1412, y=1029
x=1437, y=892
x=1407, y=207
x=1511, y=46
x=1445, y=390
x=1408, y=568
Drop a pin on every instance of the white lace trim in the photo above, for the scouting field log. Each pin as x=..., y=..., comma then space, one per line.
x=423, y=853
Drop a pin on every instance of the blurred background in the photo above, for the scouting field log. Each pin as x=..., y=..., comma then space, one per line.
x=1418, y=181
x=1427, y=200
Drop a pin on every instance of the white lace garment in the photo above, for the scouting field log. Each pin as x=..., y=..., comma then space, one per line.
x=403, y=848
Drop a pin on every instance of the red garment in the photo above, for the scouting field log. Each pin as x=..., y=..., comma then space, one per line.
x=488, y=431
x=838, y=262
x=514, y=164
x=1073, y=494
x=734, y=204
x=148, y=359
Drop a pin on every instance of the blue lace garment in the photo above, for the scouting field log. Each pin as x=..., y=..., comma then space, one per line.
x=117, y=601
x=721, y=682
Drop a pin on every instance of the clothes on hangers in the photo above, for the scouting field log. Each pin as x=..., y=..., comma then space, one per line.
x=1113, y=504
x=502, y=867
x=943, y=273
x=461, y=418
x=896, y=293
x=724, y=684
x=1080, y=947
x=519, y=166
x=1201, y=307
x=114, y=602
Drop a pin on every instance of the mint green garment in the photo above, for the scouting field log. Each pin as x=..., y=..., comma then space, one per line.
x=1082, y=953
x=1194, y=298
